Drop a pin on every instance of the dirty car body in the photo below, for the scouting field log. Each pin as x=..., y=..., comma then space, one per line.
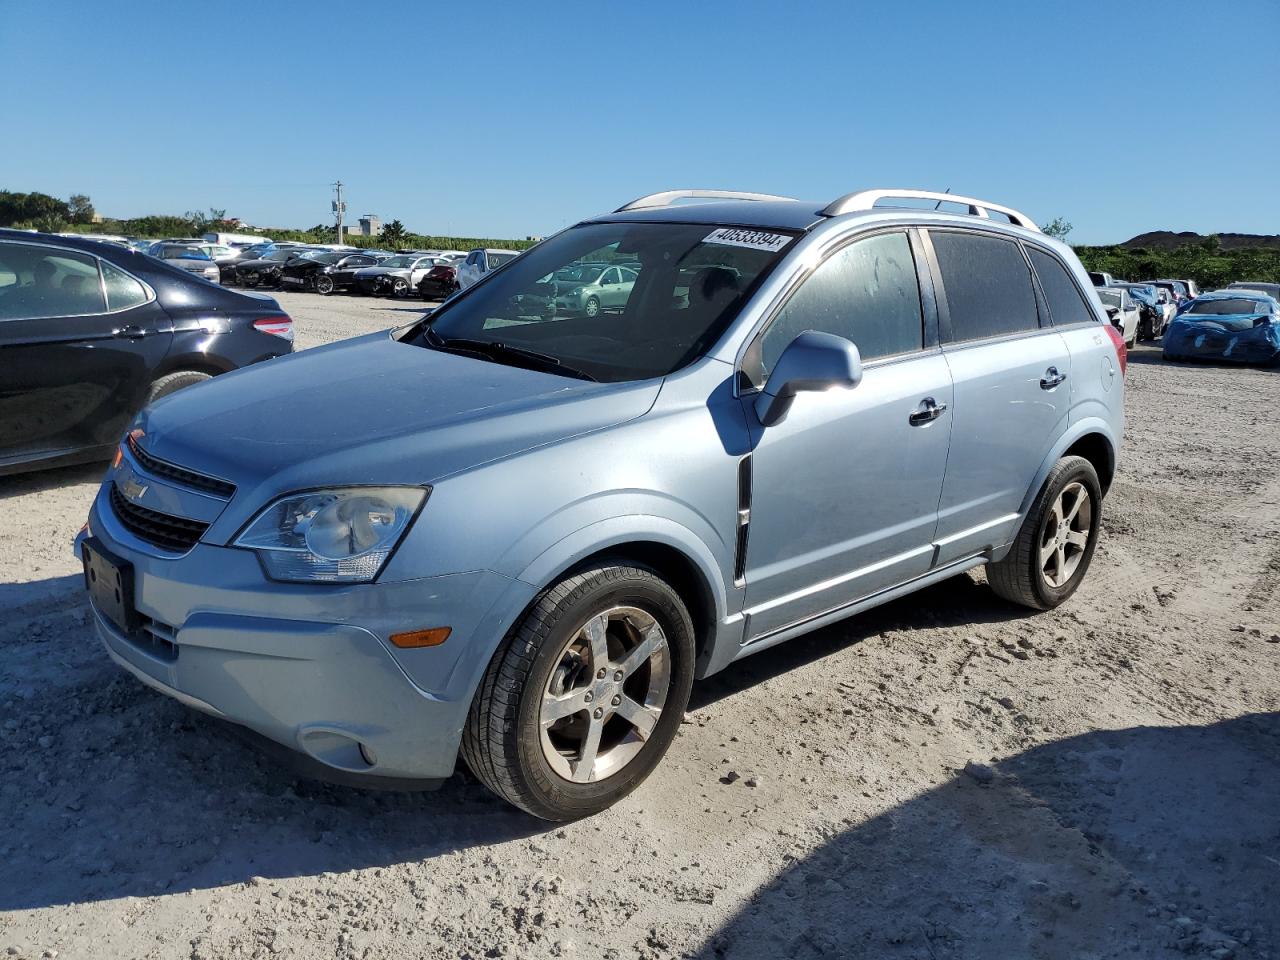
x=345, y=584
x=1237, y=326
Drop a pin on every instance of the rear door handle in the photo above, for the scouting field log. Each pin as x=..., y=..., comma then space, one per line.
x=130, y=331
x=1051, y=378
x=928, y=411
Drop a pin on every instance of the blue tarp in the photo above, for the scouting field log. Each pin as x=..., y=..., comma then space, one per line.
x=1243, y=338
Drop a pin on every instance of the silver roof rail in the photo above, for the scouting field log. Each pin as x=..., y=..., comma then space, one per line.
x=667, y=197
x=866, y=200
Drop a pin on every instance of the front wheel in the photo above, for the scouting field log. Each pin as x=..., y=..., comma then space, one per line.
x=1048, y=560
x=399, y=287
x=324, y=285
x=585, y=695
x=592, y=308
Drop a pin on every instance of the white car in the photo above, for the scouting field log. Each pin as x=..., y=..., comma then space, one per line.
x=480, y=262
x=1123, y=312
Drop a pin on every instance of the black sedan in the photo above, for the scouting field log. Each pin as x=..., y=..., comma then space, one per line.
x=325, y=271
x=267, y=270
x=91, y=332
x=228, y=267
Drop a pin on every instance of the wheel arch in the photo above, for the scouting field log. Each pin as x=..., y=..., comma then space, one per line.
x=1091, y=438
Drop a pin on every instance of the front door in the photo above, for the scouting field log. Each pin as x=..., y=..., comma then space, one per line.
x=845, y=489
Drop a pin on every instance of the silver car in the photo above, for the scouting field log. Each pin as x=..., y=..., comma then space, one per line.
x=591, y=287
x=521, y=539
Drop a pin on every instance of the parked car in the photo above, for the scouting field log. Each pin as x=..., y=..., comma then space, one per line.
x=227, y=266
x=1270, y=289
x=1154, y=305
x=441, y=281
x=664, y=490
x=267, y=270
x=1123, y=312
x=188, y=258
x=1177, y=289
x=325, y=271
x=592, y=287
x=1188, y=287
x=1242, y=326
x=1101, y=279
x=479, y=263
x=395, y=276
x=89, y=332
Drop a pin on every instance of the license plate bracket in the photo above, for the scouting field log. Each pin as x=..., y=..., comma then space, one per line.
x=109, y=581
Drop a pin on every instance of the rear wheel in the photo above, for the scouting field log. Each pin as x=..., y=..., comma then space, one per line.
x=173, y=382
x=324, y=285
x=1055, y=545
x=583, y=698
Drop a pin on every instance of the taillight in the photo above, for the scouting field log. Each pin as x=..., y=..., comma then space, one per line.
x=1117, y=339
x=280, y=326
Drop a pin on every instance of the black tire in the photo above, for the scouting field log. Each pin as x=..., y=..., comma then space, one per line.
x=501, y=742
x=323, y=285
x=592, y=307
x=1020, y=577
x=173, y=382
x=1144, y=328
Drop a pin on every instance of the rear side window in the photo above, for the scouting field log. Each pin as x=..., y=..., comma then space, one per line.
x=988, y=285
x=38, y=282
x=1066, y=305
x=123, y=291
x=866, y=292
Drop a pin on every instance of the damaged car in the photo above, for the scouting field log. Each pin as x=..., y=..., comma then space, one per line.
x=1240, y=326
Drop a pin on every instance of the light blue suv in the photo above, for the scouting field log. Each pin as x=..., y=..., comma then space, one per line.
x=521, y=537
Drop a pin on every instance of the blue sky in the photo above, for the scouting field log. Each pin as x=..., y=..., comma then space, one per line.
x=504, y=119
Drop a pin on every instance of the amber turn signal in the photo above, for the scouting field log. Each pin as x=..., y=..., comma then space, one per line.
x=422, y=638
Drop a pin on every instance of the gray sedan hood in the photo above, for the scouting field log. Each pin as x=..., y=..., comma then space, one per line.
x=375, y=411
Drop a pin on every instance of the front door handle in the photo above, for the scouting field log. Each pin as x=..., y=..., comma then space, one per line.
x=130, y=331
x=928, y=411
x=1051, y=378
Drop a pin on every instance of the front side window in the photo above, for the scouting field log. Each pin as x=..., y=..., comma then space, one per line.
x=690, y=281
x=867, y=292
x=987, y=283
x=1066, y=305
x=37, y=282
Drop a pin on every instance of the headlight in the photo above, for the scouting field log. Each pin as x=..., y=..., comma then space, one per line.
x=332, y=536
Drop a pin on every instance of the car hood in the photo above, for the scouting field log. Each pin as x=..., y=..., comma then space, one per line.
x=375, y=411
x=1226, y=321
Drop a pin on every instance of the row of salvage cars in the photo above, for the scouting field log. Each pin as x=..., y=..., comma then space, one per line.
x=1239, y=323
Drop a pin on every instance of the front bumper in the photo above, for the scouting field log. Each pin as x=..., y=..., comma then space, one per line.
x=310, y=666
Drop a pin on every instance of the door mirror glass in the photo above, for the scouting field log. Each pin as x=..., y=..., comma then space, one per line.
x=812, y=361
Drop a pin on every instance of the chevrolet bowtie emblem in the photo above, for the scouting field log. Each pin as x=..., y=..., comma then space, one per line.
x=131, y=489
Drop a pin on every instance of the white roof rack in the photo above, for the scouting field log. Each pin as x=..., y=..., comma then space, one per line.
x=667, y=197
x=866, y=200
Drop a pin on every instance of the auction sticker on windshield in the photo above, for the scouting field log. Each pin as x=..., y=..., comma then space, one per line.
x=755, y=239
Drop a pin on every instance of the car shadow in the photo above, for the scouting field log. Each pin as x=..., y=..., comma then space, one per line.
x=958, y=601
x=1149, y=841
x=40, y=481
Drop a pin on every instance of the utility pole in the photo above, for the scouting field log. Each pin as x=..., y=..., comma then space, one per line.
x=339, y=208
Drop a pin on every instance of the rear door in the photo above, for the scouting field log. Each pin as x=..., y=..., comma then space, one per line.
x=79, y=339
x=845, y=490
x=1011, y=373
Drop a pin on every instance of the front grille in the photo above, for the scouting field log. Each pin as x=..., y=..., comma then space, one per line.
x=172, y=533
x=188, y=478
x=156, y=638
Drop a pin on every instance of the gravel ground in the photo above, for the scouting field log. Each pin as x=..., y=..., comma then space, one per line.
x=946, y=776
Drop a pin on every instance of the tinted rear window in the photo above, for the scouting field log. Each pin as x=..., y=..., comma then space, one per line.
x=1224, y=307
x=1066, y=305
x=987, y=283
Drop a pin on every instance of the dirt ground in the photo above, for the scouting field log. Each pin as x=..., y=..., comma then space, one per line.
x=945, y=777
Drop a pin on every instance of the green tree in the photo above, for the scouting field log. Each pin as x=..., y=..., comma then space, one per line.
x=393, y=233
x=20, y=207
x=1058, y=228
x=80, y=208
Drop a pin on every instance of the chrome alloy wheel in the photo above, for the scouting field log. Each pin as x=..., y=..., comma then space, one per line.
x=1066, y=534
x=605, y=694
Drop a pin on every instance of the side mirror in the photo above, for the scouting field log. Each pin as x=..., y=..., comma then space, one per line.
x=812, y=361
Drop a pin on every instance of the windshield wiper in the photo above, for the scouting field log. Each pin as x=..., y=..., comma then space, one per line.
x=505, y=352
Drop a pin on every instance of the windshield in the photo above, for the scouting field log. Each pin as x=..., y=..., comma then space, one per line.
x=183, y=253
x=685, y=284
x=323, y=257
x=1226, y=307
x=394, y=262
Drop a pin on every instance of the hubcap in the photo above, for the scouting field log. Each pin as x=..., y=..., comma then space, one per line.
x=1066, y=534
x=605, y=694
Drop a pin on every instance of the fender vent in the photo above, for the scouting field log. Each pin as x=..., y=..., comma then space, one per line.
x=744, y=520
